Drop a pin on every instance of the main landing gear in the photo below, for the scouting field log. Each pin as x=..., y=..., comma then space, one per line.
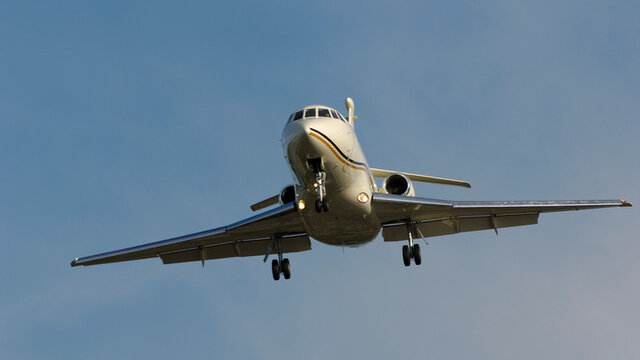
x=320, y=185
x=283, y=266
x=411, y=251
x=278, y=265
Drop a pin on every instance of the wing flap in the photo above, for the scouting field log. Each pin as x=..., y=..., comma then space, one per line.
x=457, y=225
x=211, y=252
x=240, y=248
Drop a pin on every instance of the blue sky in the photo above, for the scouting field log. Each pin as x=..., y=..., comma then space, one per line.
x=127, y=122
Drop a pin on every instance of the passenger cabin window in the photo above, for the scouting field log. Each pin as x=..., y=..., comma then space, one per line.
x=297, y=116
x=310, y=113
x=324, y=113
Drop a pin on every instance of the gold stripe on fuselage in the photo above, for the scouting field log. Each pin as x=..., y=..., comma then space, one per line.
x=337, y=155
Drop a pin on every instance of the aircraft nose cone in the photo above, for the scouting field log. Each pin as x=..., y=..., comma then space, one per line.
x=295, y=131
x=297, y=141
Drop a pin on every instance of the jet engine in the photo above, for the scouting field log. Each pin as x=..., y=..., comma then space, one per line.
x=398, y=184
x=287, y=195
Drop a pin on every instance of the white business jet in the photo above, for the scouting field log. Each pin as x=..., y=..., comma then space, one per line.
x=335, y=200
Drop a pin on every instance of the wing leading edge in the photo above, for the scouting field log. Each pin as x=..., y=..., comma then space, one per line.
x=248, y=237
x=432, y=217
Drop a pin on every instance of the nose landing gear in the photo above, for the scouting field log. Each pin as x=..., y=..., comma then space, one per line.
x=321, y=205
x=321, y=189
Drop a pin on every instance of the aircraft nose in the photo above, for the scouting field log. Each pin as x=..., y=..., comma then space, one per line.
x=296, y=131
x=296, y=138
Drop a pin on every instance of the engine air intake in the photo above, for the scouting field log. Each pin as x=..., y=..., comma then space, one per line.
x=398, y=184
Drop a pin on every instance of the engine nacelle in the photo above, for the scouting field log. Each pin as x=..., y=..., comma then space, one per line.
x=398, y=184
x=287, y=195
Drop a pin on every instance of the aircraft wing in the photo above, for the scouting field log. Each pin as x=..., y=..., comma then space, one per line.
x=432, y=217
x=248, y=237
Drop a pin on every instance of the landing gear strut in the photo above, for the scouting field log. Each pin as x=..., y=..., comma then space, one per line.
x=411, y=251
x=279, y=265
x=321, y=205
x=321, y=189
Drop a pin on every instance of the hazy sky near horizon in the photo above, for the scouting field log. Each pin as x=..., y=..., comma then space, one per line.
x=127, y=122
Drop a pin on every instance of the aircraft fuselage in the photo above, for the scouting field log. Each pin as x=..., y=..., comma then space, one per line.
x=330, y=145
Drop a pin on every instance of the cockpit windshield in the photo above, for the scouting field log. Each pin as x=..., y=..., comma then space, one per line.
x=316, y=112
x=309, y=113
x=324, y=113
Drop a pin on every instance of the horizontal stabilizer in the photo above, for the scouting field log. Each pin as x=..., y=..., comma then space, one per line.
x=265, y=203
x=420, y=178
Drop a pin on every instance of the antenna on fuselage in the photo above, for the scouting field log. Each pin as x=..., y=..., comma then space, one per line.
x=348, y=102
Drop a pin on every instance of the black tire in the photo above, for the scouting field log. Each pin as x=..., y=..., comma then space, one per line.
x=406, y=256
x=318, y=205
x=286, y=268
x=275, y=269
x=417, y=257
x=325, y=206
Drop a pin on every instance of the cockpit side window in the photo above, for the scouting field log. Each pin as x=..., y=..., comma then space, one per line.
x=297, y=116
x=324, y=113
x=310, y=112
x=342, y=117
x=334, y=114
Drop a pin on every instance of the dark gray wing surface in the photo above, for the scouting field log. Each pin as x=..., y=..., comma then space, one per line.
x=432, y=217
x=248, y=237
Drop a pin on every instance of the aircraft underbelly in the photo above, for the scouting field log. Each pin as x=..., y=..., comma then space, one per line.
x=347, y=221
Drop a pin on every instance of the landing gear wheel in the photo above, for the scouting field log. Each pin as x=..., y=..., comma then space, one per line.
x=417, y=258
x=321, y=205
x=406, y=255
x=275, y=269
x=286, y=268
